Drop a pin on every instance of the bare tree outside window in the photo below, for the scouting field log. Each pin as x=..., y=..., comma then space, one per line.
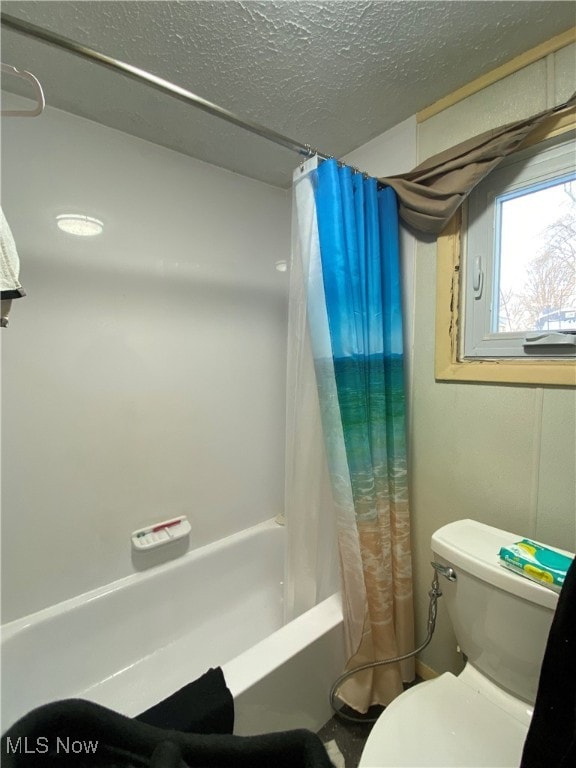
x=537, y=281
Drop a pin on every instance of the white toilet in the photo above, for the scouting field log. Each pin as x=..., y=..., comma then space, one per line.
x=501, y=621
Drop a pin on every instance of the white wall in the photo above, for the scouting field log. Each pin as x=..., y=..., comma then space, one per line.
x=143, y=376
x=503, y=455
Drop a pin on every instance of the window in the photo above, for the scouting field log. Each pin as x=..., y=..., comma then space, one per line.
x=506, y=294
x=520, y=256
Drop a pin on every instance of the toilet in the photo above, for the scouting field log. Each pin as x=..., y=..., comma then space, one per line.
x=501, y=621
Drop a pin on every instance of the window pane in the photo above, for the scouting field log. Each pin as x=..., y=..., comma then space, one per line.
x=535, y=281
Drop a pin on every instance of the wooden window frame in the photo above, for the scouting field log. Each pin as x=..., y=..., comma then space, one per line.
x=448, y=364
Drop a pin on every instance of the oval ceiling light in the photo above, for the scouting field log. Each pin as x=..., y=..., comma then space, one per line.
x=281, y=266
x=80, y=225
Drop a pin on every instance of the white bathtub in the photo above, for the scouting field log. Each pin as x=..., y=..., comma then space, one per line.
x=132, y=643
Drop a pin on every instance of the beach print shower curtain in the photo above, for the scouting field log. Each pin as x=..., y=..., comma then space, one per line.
x=346, y=249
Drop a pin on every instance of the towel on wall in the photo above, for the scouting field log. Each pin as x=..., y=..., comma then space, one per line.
x=9, y=269
x=551, y=739
x=80, y=734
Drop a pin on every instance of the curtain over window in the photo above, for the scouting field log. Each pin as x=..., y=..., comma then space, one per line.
x=431, y=193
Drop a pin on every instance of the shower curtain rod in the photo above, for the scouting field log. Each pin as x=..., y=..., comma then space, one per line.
x=53, y=38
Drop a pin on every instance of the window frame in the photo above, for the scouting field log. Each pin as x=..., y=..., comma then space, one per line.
x=449, y=363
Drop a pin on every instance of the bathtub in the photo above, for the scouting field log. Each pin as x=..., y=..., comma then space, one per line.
x=132, y=643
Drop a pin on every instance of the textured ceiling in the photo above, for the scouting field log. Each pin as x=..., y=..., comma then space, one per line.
x=330, y=74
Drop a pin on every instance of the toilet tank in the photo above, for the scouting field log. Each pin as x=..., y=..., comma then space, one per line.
x=501, y=619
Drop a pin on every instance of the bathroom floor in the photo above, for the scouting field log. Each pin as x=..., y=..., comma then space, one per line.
x=351, y=737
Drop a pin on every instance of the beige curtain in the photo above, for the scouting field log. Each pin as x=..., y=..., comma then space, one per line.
x=431, y=193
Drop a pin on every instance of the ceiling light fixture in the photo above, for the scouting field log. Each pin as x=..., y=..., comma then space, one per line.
x=281, y=266
x=79, y=224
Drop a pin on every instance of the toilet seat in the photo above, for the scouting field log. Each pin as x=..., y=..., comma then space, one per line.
x=445, y=723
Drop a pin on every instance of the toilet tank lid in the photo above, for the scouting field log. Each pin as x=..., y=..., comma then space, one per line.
x=474, y=548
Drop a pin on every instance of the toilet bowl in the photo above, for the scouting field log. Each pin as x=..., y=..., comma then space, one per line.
x=501, y=622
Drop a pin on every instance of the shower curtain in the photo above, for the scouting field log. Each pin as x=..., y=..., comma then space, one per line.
x=346, y=295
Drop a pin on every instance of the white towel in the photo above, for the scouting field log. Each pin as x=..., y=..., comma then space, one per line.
x=9, y=269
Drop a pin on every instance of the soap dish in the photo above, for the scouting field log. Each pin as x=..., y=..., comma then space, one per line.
x=161, y=533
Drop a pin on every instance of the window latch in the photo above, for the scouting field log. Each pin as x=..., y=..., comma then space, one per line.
x=478, y=278
x=562, y=342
